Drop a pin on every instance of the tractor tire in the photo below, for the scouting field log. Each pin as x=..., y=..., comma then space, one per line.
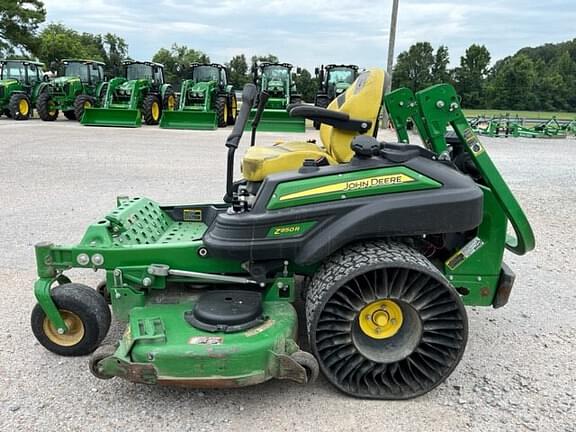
x=151, y=109
x=295, y=100
x=46, y=107
x=169, y=103
x=20, y=107
x=70, y=115
x=86, y=314
x=81, y=102
x=222, y=114
x=383, y=322
x=321, y=102
x=232, y=110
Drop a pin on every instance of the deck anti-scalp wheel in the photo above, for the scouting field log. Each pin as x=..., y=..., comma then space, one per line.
x=383, y=322
x=86, y=315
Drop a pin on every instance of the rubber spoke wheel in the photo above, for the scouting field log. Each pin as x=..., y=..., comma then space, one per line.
x=221, y=111
x=232, y=110
x=46, y=107
x=87, y=317
x=81, y=103
x=151, y=109
x=20, y=107
x=383, y=322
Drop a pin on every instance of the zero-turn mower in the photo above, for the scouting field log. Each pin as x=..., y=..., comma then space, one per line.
x=20, y=82
x=140, y=93
x=81, y=85
x=334, y=80
x=206, y=100
x=390, y=241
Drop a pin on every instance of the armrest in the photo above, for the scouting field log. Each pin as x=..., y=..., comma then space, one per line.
x=337, y=119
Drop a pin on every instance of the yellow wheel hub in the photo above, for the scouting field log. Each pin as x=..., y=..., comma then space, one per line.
x=171, y=102
x=226, y=113
x=87, y=104
x=234, y=107
x=381, y=319
x=155, y=111
x=74, y=334
x=23, y=107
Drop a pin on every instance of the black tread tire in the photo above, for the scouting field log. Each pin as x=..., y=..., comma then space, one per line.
x=147, y=109
x=220, y=106
x=70, y=115
x=414, y=372
x=321, y=102
x=88, y=305
x=43, y=109
x=79, y=103
x=169, y=92
x=13, y=106
x=232, y=114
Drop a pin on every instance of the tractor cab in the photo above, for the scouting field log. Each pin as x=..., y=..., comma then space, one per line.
x=275, y=78
x=209, y=72
x=20, y=81
x=27, y=73
x=90, y=72
x=143, y=70
x=335, y=79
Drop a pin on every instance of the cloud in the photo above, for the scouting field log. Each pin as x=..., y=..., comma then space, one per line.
x=307, y=33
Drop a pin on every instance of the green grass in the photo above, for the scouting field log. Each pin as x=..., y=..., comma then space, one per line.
x=522, y=114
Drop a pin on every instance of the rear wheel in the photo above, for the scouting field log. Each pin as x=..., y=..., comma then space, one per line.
x=222, y=111
x=20, y=107
x=86, y=315
x=81, y=103
x=383, y=322
x=232, y=110
x=151, y=109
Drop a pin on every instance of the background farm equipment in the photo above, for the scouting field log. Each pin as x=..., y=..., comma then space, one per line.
x=276, y=79
x=506, y=126
x=20, y=83
x=206, y=100
x=140, y=93
x=82, y=85
x=334, y=80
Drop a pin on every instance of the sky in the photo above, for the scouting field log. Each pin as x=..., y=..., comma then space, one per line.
x=311, y=32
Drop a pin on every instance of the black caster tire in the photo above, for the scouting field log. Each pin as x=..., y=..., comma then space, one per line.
x=383, y=322
x=86, y=314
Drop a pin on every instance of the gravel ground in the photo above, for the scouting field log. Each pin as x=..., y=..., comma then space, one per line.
x=517, y=374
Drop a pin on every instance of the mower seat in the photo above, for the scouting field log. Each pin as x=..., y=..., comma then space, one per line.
x=361, y=102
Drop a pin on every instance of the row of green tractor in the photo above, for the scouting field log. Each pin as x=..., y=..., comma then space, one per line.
x=206, y=99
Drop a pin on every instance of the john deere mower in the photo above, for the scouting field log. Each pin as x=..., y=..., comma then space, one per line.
x=276, y=80
x=391, y=240
x=81, y=85
x=334, y=80
x=206, y=100
x=140, y=93
x=20, y=82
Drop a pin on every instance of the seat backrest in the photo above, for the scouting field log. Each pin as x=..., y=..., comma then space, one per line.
x=362, y=101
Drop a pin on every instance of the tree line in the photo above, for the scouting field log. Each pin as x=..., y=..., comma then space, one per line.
x=534, y=79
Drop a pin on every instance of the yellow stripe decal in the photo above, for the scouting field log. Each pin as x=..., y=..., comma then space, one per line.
x=365, y=183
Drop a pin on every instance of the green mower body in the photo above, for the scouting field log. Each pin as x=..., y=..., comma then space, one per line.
x=206, y=100
x=140, y=95
x=277, y=81
x=81, y=85
x=20, y=84
x=391, y=246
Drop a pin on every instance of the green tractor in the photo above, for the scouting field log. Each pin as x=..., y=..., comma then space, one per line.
x=334, y=80
x=20, y=84
x=82, y=85
x=386, y=242
x=206, y=100
x=140, y=93
x=276, y=79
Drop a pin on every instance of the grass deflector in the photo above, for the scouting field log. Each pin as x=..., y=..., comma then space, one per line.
x=141, y=94
x=206, y=100
x=20, y=84
x=392, y=240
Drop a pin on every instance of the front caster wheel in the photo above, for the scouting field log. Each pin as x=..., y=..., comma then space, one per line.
x=383, y=322
x=86, y=315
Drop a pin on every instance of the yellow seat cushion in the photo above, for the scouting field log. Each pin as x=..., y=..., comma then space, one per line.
x=259, y=162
